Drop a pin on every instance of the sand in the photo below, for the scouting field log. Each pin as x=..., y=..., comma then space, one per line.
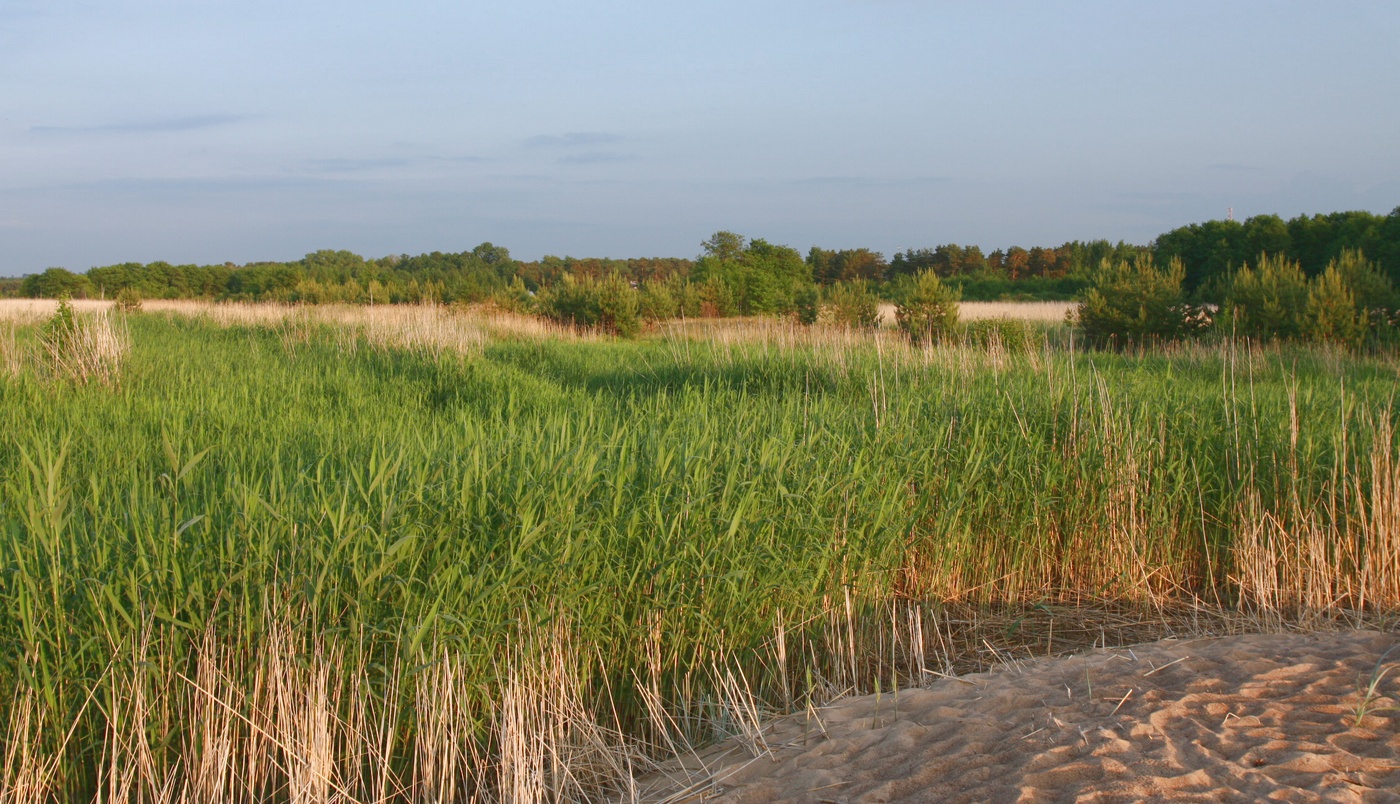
x=1243, y=718
x=1048, y=311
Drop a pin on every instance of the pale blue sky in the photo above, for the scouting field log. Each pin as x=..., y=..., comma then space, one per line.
x=212, y=130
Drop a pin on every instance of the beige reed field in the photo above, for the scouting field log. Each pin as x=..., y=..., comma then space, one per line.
x=1050, y=312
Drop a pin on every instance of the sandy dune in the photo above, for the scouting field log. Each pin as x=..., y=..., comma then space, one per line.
x=1245, y=718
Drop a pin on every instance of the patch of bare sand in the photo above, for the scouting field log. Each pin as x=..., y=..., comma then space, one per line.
x=1242, y=718
x=1051, y=312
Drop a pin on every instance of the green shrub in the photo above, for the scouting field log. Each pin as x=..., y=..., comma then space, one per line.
x=657, y=302
x=1372, y=292
x=1332, y=315
x=807, y=305
x=570, y=301
x=716, y=298
x=129, y=300
x=1268, y=302
x=929, y=309
x=851, y=304
x=610, y=304
x=60, y=330
x=515, y=297
x=618, y=307
x=687, y=297
x=1370, y=289
x=1135, y=303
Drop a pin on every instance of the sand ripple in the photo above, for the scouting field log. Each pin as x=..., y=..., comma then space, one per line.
x=1245, y=718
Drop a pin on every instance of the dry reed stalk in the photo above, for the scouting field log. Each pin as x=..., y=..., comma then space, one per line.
x=26, y=776
x=130, y=768
x=744, y=715
x=521, y=731
x=1053, y=312
x=306, y=697
x=11, y=356
x=1379, y=518
x=429, y=330
x=552, y=746
x=296, y=330
x=506, y=325
x=372, y=735
x=1315, y=555
x=225, y=314
x=449, y=765
x=426, y=329
x=212, y=746
x=665, y=733
x=93, y=351
x=1049, y=311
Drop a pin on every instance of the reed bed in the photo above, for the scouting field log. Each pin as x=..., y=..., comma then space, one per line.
x=440, y=557
x=28, y=311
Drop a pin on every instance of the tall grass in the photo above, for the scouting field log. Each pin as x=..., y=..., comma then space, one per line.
x=280, y=561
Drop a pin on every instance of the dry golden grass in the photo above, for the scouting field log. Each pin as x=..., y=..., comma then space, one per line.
x=426, y=328
x=11, y=356
x=93, y=351
x=28, y=311
x=318, y=726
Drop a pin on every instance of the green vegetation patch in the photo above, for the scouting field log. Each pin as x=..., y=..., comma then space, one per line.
x=665, y=502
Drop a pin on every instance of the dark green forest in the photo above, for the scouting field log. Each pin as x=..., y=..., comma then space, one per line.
x=733, y=275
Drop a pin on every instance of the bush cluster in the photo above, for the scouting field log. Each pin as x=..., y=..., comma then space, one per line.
x=129, y=300
x=929, y=310
x=851, y=304
x=1135, y=302
x=609, y=305
x=1350, y=303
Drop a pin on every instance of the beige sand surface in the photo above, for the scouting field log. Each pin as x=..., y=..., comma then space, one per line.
x=1052, y=312
x=1244, y=718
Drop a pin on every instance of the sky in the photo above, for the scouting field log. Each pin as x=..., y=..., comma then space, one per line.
x=208, y=131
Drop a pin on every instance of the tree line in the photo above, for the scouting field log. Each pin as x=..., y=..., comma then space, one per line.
x=1211, y=252
x=487, y=271
x=735, y=275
